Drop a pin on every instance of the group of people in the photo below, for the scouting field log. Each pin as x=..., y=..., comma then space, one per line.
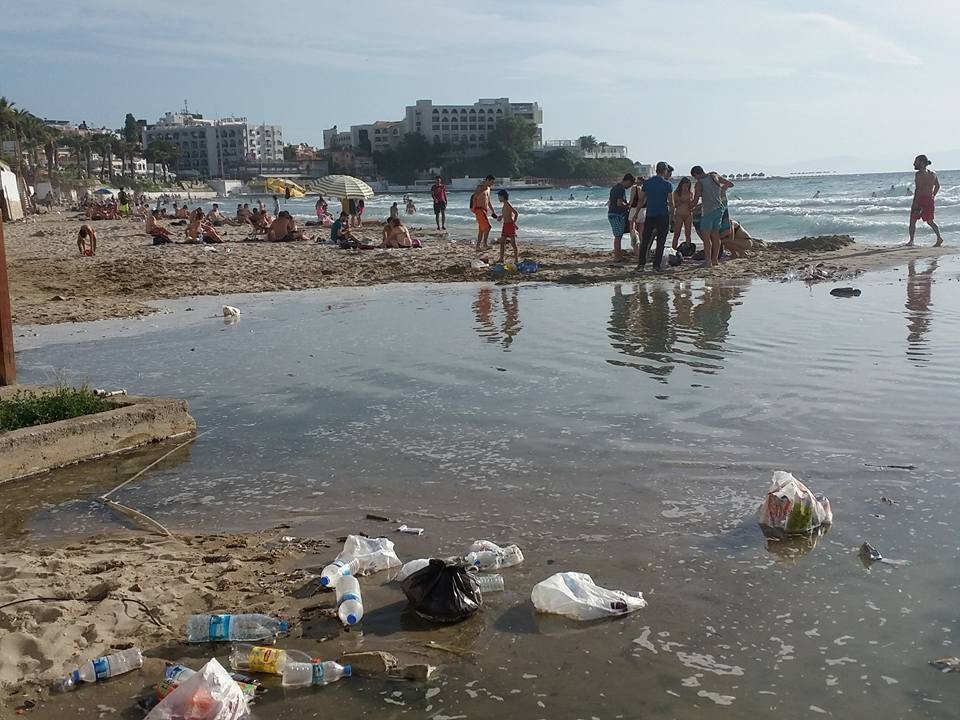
x=647, y=207
x=202, y=227
x=482, y=207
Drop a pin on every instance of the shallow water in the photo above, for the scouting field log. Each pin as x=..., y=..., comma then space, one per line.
x=628, y=431
x=874, y=208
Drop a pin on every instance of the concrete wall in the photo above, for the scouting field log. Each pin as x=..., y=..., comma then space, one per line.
x=135, y=421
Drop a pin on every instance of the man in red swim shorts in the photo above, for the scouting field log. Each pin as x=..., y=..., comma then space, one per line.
x=927, y=187
x=481, y=206
x=509, y=215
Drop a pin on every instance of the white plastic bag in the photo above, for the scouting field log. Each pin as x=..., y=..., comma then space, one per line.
x=576, y=596
x=210, y=694
x=791, y=507
x=374, y=554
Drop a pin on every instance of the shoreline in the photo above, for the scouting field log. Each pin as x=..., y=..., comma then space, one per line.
x=50, y=283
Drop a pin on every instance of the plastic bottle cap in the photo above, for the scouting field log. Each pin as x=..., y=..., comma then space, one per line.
x=284, y=625
x=347, y=670
x=351, y=619
x=324, y=580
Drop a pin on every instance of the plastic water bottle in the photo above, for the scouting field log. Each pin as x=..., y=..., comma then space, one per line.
x=302, y=674
x=349, y=601
x=254, y=658
x=409, y=568
x=101, y=668
x=221, y=628
x=483, y=559
x=337, y=569
x=490, y=583
x=173, y=675
x=485, y=555
x=512, y=555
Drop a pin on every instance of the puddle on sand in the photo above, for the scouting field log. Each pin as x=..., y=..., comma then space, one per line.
x=533, y=416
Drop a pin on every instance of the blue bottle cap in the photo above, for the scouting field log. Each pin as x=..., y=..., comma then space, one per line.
x=284, y=626
x=348, y=670
x=324, y=580
x=351, y=619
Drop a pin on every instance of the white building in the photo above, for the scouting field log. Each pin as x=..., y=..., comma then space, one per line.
x=601, y=151
x=465, y=126
x=469, y=125
x=214, y=148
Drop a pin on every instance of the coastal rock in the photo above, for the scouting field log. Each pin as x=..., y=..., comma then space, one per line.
x=374, y=663
x=418, y=672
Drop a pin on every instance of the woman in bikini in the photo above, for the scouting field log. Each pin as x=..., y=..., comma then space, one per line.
x=683, y=210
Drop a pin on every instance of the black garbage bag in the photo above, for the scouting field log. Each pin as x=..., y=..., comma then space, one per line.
x=443, y=591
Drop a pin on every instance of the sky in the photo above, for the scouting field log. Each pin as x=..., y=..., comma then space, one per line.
x=741, y=85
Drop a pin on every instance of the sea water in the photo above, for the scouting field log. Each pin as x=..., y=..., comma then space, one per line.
x=873, y=208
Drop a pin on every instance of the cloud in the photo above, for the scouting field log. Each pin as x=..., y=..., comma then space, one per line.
x=858, y=40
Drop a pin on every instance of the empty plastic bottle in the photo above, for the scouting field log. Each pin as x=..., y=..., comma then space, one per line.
x=485, y=555
x=101, y=668
x=255, y=658
x=337, y=569
x=490, y=583
x=349, y=601
x=411, y=567
x=302, y=674
x=173, y=675
x=221, y=628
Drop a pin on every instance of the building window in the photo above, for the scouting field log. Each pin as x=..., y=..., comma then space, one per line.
x=435, y=127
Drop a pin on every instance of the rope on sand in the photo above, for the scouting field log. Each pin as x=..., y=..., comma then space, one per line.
x=135, y=515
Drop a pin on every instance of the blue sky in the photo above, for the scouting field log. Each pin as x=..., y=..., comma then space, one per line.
x=746, y=84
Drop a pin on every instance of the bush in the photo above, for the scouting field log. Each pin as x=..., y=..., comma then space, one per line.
x=26, y=408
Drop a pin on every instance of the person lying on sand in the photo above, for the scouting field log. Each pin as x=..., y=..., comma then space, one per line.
x=87, y=233
x=733, y=237
x=155, y=230
x=284, y=229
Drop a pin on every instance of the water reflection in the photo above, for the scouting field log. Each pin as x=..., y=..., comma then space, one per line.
x=497, y=311
x=663, y=326
x=919, y=286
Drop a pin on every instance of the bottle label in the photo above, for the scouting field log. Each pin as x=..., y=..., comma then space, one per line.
x=264, y=660
x=349, y=596
x=219, y=627
x=101, y=666
x=177, y=672
x=318, y=673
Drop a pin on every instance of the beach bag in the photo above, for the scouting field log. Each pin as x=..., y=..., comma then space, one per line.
x=687, y=249
x=443, y=591
x=791, y=508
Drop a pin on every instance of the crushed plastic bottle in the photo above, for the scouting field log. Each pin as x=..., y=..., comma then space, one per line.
x=255, y=658
x=490, y=583
x=349, y=600
x=101, y=668
x=485, y=555
x=304, y=674
x=373, y=554
x=222, y=628
x=338, y=568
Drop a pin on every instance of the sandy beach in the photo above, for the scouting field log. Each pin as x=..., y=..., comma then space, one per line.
x=51, y=283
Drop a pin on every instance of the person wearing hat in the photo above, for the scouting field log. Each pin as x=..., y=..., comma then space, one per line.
x=927, y=186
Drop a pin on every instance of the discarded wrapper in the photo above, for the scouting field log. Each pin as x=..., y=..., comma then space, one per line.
x=410, y=530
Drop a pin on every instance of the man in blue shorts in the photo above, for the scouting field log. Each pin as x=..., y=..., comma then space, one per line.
x=618, y=211
x=709, y=191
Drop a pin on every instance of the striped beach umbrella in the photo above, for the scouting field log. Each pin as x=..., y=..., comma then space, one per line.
x=343, y=186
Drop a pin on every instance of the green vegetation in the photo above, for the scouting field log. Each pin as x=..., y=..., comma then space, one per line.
x=26, y=408
x=508, y=153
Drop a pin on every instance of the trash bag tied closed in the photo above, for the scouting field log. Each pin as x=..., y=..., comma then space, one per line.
x=374, y=554
x=210, y=694
x=575, y=595
x=792, y=508
x=443, y=591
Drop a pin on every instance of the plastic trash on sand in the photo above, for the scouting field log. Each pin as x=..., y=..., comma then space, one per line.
x=575, y=595
x=443, y=591
x=477, y=264
x=374, y=554
x=484, y=555
x=791, y=508
x=210, y=694
x=230, y=311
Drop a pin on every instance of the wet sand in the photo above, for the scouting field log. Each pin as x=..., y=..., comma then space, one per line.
x=51, y=283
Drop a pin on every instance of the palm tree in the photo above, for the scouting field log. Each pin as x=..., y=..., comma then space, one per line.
x=104, y=147
x=587, y=142
x=152, y=156
x=6, y=116
x=22, y=120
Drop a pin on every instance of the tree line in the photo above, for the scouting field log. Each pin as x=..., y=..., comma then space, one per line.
x=508, y=152
x=34, y=139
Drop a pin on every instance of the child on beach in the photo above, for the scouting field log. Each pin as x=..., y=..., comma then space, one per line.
x=509, y=215
x=87, y=233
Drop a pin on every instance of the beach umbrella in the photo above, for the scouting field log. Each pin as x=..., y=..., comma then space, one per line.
x=103, y=191
x=344, y=186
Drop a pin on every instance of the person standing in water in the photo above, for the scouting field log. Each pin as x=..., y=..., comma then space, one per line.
x=618, y=212
x=928, y=185
x=438, y=192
